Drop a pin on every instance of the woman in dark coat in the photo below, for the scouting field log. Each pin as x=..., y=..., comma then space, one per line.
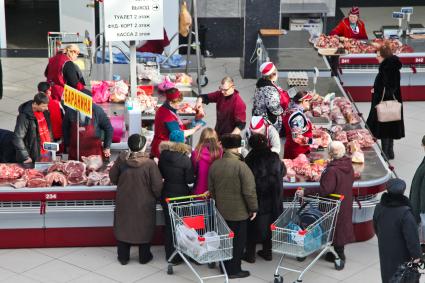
x=388, y=81
x=417, y=191
x=338, y=178
x=176, y=168
x=139, y=185
x=268, y=171
x=396, y=229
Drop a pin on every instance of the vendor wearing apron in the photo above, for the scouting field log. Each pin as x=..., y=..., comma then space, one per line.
x=298, y=128
x=351, y=26
x=61, y=70
x=90, y=131
x=167, y=120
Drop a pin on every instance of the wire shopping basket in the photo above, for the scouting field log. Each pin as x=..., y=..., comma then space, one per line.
x=199, y=232
x=306, y=226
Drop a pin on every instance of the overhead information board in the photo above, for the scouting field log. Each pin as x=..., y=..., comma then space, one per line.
x=133, y=20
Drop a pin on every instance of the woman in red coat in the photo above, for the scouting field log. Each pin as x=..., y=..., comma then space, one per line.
x=351, y=26
x=298, y=128
x=167, y=120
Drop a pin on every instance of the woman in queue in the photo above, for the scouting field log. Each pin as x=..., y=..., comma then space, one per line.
x=139, y=185
x=298, y=128
x=268, y=171
x=177, y=170
x=62, y=70
x=167, y=120
x=386, y=87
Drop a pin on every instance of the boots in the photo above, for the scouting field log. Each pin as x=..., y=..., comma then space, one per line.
x=249, y=255
x=385, y=147
x=266, y=252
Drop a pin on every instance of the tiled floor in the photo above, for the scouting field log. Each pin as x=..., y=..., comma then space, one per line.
x=100, y=265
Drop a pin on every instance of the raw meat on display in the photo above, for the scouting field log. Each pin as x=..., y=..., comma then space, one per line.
x=93, y=162
x=363, y=136
x=98, y=179
x=325, y=41
x=341, y=136
x=321, y=138
x=75, y=168
x=10, y=171
x=36, y=183
x=357, y=157
x=301, y=165
x=289, y=168
x=57, y=167
x=186, y=108
x=56, y=179
x=353, y=146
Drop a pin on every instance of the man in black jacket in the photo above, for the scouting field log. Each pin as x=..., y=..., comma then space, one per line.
x=27, y=140
x=90, y=131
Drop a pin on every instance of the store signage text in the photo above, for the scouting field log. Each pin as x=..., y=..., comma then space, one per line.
x=78, y=100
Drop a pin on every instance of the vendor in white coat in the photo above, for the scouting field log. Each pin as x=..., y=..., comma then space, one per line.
x=259, y=125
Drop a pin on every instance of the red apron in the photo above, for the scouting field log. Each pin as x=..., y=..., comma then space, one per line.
x=54, y=74
x=89, y=143
x=292, y=148
x=284, y=97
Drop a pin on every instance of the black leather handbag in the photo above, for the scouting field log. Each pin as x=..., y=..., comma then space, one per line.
x=407, y=272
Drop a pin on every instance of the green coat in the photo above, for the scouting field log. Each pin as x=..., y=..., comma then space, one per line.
x=232, y=185
x=417, y=191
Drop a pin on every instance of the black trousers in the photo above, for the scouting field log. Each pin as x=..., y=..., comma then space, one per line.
x=168, y=235
x=388, y=147
x=123, y=250
x=239, y=228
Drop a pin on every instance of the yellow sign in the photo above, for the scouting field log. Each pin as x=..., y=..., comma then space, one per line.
x=78, y=100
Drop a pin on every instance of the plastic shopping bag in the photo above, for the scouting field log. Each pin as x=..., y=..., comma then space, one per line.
x=188, y=240
x=100, y=92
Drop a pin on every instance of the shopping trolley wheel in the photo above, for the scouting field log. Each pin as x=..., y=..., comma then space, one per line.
x=170, y=269
x=339, y=264
x=204, y=81
x=301, y=259
x=211, y=265
x=278, y=279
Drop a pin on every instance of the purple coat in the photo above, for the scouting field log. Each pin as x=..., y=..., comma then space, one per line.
x=338, y=178
x=201, y=168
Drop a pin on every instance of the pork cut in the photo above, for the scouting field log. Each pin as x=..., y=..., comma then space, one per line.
x=10, y=171
x=98, y=179
x=57, y=167
x=56, y=179
x=93, y=162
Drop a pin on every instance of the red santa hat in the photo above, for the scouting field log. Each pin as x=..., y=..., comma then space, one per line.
x=257, y=122
x=354, y=11
x=267, y=68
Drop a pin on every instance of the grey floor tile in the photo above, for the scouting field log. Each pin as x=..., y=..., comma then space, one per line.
x=127, y=273
x=57, y=252
x=162, y=276
x=93, y=277
x=90, y=258
x=55, y=271
x=22, y=260
x=4, y=274
x=20, y=279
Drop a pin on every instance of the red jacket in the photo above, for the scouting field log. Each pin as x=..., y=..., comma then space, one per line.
x=344, y=29
x=162, y=116
x=231, y=111
x=55, y=118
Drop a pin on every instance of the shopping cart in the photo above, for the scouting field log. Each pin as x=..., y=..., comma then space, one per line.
x=306, y=226
x=199, y=232
x=56, y=41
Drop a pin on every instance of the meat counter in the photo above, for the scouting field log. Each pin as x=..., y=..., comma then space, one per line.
x=358, y=71
x=60, y=217
x=291, y=52
x=374, y=172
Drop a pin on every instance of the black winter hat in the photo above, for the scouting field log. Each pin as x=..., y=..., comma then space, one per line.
x=258, y=141
x=136, y=142
x=229, y=141
x=396, y=186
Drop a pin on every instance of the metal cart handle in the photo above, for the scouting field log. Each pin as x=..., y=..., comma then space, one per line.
x=204, y=195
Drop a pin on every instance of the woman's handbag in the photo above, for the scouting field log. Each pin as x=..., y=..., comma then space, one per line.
x=389, y=110
x=407, y=272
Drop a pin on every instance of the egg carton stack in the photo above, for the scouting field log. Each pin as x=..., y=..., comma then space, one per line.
x=297, y=79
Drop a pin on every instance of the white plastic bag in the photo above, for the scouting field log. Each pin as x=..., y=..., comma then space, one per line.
x=187, y=238
x=212, y=241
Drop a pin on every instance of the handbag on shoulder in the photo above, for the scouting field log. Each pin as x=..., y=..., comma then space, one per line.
x=389, y=110
x=407, y=272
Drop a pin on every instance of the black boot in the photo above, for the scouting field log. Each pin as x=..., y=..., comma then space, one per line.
x=391, y=149
x=266, y=252
x=385, y=147
x=340, y=252
x=249, y=255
